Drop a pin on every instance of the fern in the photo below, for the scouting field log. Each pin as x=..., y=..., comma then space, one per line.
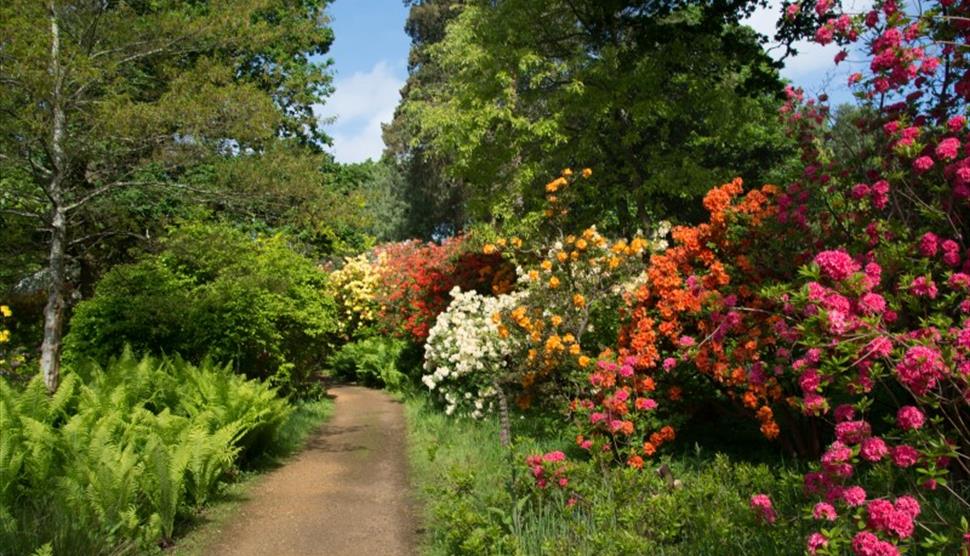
x=108, y=464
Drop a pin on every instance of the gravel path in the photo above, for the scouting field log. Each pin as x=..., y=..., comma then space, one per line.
x=346, y=493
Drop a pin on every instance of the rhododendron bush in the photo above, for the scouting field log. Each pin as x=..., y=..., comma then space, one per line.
x=354, y=288
x=415, y=279
x=572, y=287
x=465, y=354
x=835, y=310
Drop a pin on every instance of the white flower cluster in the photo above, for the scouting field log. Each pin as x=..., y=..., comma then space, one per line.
x=465, y=350
x=658, y=239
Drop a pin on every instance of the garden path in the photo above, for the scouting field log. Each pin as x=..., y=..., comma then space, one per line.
x=347, y=492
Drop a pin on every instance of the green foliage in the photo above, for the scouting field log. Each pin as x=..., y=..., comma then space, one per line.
x=660, y=100
x=376, y=361
x=213, y=292
x=119, y=454
x=479, y=497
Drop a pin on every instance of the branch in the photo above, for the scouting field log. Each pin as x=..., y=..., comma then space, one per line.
x=24, y=214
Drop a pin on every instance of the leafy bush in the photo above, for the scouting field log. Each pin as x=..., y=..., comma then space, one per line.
x=110, y=462
x=478, y=500
x=375, y=361
x=213, y=292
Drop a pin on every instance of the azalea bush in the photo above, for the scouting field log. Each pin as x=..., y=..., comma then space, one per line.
x=572, y=287
x=353, y=288
x=416, y=278
x=467, y=355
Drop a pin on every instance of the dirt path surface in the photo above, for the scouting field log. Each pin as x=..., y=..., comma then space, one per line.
x=346, y=493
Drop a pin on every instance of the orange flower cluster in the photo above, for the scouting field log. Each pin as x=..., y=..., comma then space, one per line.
x=572, y=275
x=697, y=305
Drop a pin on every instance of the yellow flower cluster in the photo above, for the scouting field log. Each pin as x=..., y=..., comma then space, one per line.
x=560, y=183
x=6, y=313
x=354, y=287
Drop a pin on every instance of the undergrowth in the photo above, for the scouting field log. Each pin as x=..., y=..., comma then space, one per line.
x=480, y=498
x=120, y=455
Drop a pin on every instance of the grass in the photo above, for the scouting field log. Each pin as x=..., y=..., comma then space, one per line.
x=193, y=538
x=478, y=498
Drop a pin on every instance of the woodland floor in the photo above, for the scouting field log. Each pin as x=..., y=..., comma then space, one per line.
x=347, y=492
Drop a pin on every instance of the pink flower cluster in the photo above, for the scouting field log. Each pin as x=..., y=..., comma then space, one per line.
x=837, y=265
x=921, y=368
x=866, y=543
x=763, y=508
x=897, y=519
x=549, y=467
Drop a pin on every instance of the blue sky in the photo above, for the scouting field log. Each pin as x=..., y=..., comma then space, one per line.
x=370, y=53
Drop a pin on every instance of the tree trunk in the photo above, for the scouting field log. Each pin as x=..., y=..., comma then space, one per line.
x=505, y=428
x=50, y=353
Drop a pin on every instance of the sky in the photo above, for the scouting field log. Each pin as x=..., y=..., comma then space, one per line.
x=370, y=53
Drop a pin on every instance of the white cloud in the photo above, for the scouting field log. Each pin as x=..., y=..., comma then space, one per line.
x=359, y=105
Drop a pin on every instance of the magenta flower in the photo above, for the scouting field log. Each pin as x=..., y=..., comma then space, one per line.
x=854, y=496
x=904, y=456
x=880, y=194
x=844, y=412
x=922, y=164
x=852, y=432
x=879, y=347
x=928, y=244
x=921, y=368
x=860, y=191
x=867, y=544
x=959, y=281
x=872, y=303
x=878, y=512
x=948, y=148
x=922, y=286
x=815, y=542
x=910, y=418
x=873, y=449
x=824, y=510
x=761, y=504
x=908, y=505
x=837, y=264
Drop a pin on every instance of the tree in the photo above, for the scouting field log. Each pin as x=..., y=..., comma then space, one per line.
x=102, y=97
x=661, y=100
x=435, y=199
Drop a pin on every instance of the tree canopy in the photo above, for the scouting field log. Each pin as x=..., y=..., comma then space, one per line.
x=661, y=100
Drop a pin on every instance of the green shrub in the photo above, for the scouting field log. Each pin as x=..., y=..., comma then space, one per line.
x=213, y=292
x=112, y=460
x=375, y=361
x=481, y=499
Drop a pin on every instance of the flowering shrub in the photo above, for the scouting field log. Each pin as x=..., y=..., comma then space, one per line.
x=354, y=287
x=573, y=287
x=549, y=469
x=467, y=354
x=837, y=310
x=416, y=277
x=619, y=416
x=699, y=308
